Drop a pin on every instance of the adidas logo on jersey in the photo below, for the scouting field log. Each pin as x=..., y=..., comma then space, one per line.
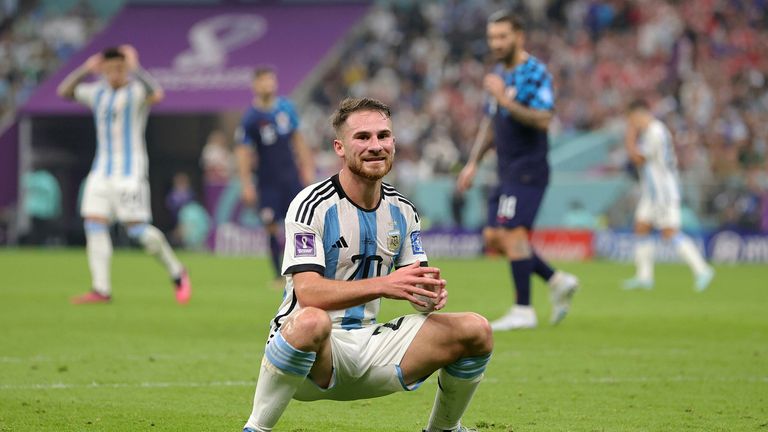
x=340, y=243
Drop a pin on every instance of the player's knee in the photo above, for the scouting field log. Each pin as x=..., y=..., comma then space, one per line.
x=516, y=245
x=477, y=334
x=312, y=325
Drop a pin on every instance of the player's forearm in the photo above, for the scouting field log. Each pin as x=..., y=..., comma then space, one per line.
x=304, y=156
x=244, y=163
x=483, y=142
x=67, y=87
x=528, y=116
x=147, y=80
x=153, y=88
x=329, y=294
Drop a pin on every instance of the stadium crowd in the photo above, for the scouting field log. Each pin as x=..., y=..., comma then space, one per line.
x=34, y=41
x=701, y=64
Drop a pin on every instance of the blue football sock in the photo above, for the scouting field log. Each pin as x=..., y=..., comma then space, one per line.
x=541, y=267
x=521, y=274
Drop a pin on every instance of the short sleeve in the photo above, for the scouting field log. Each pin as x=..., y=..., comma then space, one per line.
x=242, y=133
x=303, y=243
x=413, y=248
x=653, y=141
x=293, y=116
x=535, y=89
x=86, y=93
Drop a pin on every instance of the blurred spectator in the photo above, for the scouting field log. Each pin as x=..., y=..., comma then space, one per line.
x=578, y=217
x=35, y=41
x=181, y=194
x=216, y=159
x=42, y=203
x=194, y=225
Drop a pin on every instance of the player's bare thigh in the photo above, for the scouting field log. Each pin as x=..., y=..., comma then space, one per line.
x=96, y=219
x=643, y=228
x=514, y=242
x=443, y=339
x=309, y=330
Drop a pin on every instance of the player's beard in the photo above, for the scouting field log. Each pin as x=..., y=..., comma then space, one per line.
x=508, y=58
x=358, y=167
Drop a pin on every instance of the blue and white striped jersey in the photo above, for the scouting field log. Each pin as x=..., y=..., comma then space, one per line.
x=659, y=173
x=121, y=117
x=327, y=233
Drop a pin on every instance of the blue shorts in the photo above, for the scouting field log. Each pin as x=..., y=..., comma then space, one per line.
x=274, y=200
x=514, y=205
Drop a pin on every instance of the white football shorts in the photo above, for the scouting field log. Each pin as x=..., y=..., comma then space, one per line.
x=124, y=199
x=366, y=362
x=659, y=215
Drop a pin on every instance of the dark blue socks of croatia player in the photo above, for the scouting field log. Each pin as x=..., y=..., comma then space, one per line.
x=541, y=268
x=521, y=275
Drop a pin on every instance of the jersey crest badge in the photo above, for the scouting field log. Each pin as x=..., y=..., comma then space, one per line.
x=393, y=241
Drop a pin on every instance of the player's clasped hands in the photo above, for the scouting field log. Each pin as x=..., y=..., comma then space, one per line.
x=411, y=281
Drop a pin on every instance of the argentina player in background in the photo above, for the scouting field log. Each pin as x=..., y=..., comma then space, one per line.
x=519, y=112
x=649, y=146
x=117, y=186
x=272, y=146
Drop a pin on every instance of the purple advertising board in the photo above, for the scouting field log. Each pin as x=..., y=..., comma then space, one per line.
x=204, y=56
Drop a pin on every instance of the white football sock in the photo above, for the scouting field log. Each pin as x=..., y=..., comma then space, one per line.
x=98, y=247
x=283, y=369
x=689, y=253
x=274, y=391
x=456, y=386
x=644, y=251
x=154, y=243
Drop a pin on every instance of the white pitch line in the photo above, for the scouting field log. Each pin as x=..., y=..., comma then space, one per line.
x=96, y=385
x=594, y=380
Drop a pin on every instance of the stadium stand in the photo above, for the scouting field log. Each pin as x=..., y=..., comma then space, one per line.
x=702, y=66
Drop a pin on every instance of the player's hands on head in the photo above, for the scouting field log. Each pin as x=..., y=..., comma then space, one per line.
x=93, y=63
x=131, y=56
x=412, y=280
x=466, y=177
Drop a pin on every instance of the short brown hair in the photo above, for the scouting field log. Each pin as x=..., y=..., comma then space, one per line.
x=112, y=53
x=263, y=70
x=507, y=17
x=352, y=105
x=638, y=104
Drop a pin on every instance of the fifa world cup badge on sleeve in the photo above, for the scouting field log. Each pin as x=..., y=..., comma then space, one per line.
x=416, y=243
x=304, y=244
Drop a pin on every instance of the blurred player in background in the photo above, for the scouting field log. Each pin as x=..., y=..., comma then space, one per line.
x=117, y=186
x=649, y=146
x=272, y=146
x=352, y=240
x=522, y=100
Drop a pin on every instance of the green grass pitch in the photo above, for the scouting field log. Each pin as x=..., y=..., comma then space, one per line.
x=662, y=360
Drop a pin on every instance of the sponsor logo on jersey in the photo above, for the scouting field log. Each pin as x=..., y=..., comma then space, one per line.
x=304, y=244
x=416, y=243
